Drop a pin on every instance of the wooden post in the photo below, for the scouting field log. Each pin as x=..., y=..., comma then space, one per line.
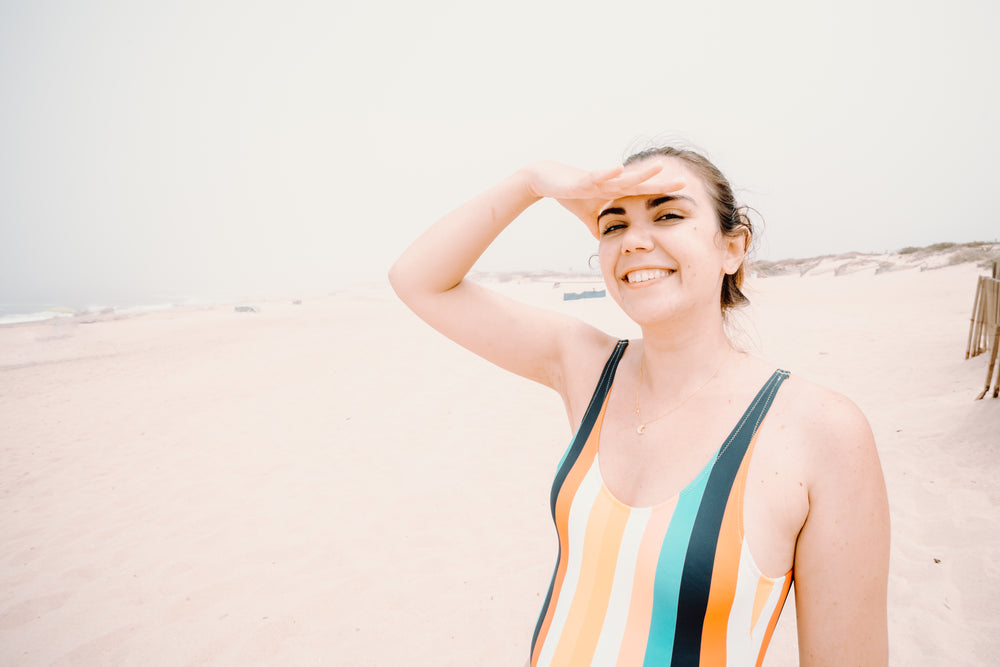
x=996, y=385
x=990, y=317
x=980, y=335
x=972, y=319
x=995, y=324
x=989, y=367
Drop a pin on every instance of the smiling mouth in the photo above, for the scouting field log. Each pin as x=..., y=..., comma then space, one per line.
x=645, y=275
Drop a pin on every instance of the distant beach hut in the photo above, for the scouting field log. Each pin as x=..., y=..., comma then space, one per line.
x=586, y=294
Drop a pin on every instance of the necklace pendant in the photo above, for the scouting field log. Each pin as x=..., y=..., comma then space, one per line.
x=640, y=428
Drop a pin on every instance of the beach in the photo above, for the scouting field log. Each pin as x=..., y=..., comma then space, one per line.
x=333, y=482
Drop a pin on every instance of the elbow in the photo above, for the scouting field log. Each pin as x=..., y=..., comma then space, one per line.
x=392, y=275
x=412, y=282
x=397, y=279
x=406, y=282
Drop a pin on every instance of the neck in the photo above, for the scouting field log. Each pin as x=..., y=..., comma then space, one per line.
x=675, y=360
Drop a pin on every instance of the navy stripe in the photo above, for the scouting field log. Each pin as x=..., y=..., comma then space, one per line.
x=572, y=454
x=696, y=580
x=545, y=608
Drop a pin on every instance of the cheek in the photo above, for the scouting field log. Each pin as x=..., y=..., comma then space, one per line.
x=606, y=261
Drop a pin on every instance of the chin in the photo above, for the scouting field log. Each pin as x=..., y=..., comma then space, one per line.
x=658, y=309
x=651, y=311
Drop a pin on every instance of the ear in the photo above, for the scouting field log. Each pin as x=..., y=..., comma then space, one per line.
x=734, y=248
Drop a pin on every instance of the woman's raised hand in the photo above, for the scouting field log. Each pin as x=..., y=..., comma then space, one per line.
x=541, y=345
x=585, y=193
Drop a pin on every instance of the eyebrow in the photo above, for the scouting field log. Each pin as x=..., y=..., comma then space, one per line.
x=651, y=203
x=610, y=211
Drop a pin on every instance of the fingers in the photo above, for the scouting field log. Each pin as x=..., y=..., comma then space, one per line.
x=602, y=175
x=642, y=179
x=657, y=186
x=617, y=178
x=639, y=174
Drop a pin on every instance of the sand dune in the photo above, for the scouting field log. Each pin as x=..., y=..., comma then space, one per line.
x=334, y=483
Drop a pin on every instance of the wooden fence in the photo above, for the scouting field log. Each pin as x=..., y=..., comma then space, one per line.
x=984, y=330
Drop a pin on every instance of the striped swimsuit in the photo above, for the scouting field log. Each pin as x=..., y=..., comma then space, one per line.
x=672, y=584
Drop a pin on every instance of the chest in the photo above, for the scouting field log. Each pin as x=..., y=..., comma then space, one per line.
x=647, y=468
x=675, y=455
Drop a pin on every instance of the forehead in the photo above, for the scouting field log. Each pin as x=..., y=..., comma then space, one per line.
x=673, y=169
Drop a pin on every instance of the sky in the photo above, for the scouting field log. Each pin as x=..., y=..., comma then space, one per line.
x=154, y=151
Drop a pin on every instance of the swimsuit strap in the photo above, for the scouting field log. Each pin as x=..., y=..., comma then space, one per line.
x=738, y=441
x=589, y=418
x=603, y=387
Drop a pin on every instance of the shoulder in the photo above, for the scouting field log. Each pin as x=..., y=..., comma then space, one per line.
x=821, y=413
x=831, y=433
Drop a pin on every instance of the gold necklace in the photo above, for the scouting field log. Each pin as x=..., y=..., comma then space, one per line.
x=642, y=425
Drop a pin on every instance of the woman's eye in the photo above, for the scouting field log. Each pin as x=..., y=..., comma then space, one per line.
x=614, y=226
x=670, y=216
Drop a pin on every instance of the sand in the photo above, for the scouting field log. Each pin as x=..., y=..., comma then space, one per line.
x=335, y=483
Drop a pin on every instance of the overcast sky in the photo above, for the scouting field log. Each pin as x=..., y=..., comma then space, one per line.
x=151, y=150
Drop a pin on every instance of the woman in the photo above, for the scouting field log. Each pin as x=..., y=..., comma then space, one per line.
x=701, y=480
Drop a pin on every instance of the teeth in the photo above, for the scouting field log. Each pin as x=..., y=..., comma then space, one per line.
x=646, y=274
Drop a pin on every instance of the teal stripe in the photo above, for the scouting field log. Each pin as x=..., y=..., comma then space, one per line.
x=669, y=567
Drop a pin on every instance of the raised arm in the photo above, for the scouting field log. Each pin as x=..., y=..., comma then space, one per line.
x=430, y=275
x=842, y=554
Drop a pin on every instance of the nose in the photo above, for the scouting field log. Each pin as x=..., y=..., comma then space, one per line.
x=636, y=238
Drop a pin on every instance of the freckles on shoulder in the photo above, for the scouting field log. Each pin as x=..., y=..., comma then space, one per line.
x=826, y=432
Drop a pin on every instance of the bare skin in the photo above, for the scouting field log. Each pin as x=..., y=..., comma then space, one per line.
x=815, y=498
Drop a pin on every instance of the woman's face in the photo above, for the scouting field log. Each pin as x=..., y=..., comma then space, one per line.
x=663, y=256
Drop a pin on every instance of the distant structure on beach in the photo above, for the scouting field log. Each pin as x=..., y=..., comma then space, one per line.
x=586, y=294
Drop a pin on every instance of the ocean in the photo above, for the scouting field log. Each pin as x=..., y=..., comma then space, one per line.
x=16, y=312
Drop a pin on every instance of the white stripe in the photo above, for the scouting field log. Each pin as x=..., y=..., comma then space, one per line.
x=760, y=629
x=579, y=513
x=620, y=601
x=738, y=632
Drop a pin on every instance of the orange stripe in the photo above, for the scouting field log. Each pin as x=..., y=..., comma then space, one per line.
x=593, y=590
x=775, y=613
x=571, y=484
x=633, y=648
x=725, y=571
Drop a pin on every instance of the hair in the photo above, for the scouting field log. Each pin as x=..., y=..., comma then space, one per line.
x=733, y=218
